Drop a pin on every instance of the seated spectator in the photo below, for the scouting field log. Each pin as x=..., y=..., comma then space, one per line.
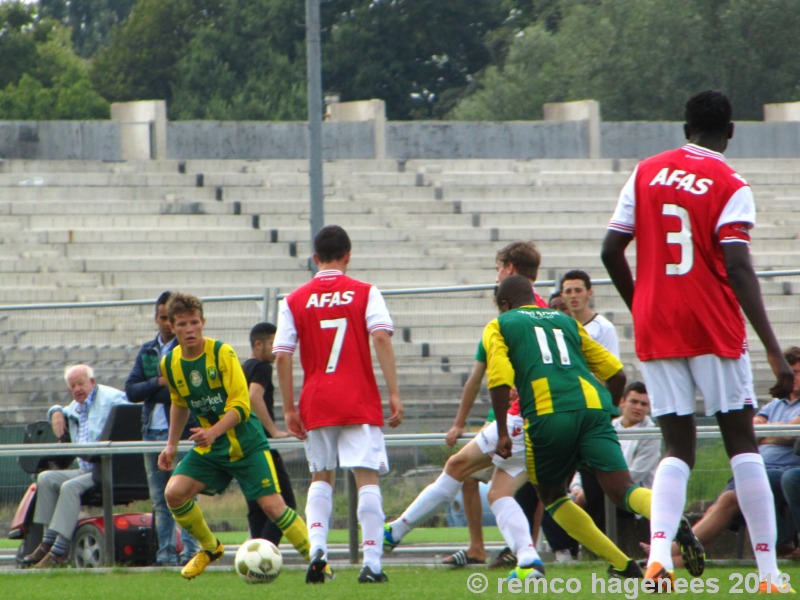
x=58, y=493
x=783, y=471
x=642, y=455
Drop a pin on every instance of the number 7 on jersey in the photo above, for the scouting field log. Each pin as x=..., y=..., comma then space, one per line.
x=340, y=325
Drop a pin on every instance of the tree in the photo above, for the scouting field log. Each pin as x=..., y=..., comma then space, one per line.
x=17, y=41
x=416, y=55
x=42, y=77
x=140, y=61
x=641, y=59
x=90, y=20
x=248, y=64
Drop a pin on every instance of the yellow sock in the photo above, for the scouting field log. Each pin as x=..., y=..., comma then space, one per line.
x=577, y=523
x=190, y=517
x=294, y=528
x=637, y=500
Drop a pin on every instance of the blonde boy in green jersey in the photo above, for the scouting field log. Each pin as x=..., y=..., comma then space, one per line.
x=206, y=379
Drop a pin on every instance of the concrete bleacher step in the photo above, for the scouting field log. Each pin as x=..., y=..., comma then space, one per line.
x=136, y=252
x=160, y=236
x=502, y=194
x=142, y=222
x=103, y=207
x=99, y=179
x=105, y=194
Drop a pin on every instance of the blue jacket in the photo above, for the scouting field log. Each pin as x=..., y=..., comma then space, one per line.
x=105, y=398
x=142, y=383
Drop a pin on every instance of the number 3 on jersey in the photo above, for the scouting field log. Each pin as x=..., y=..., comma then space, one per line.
x=682, y=238
x=340, y=325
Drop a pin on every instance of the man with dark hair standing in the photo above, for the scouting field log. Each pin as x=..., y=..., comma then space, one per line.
x=691, y=215
x=146, y=384
x=258, y=372
x=332, y=318
x=576, y=289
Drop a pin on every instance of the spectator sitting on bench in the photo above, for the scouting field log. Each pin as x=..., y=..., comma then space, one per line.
x=642, y=455
x=779, y=459
x=58, y=493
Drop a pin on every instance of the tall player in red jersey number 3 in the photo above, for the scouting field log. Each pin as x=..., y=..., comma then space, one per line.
x=332, y=318
x=691, y=215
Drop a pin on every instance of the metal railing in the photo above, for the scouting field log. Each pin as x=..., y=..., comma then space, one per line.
x=105, y=450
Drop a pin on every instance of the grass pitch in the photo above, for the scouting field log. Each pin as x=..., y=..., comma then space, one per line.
x=581, y=581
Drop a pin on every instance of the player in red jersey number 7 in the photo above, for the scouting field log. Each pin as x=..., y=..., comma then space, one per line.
x=691, y=215
x=332, y=318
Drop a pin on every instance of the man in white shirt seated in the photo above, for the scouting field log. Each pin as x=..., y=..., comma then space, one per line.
x=642, y=455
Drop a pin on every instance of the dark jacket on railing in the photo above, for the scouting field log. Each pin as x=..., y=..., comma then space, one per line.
x=142, y=383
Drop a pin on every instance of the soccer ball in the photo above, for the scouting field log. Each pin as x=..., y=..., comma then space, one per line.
x=258, y=561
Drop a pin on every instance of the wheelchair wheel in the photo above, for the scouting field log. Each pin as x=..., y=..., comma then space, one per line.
x=88, y=547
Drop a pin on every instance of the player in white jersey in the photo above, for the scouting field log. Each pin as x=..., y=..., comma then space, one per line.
x=576, y=289
x=509, y=474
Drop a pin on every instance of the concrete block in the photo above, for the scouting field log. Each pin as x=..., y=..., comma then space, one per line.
x=782, y=111
x=143, y=129
x=586, y=111
x=371, y=111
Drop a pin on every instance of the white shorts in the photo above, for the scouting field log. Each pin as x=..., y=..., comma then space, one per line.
x=724, y=383
x=487, y=442
x=355, y=446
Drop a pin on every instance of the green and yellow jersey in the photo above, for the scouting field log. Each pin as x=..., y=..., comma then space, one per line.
x=550, y=358
x=209, y=386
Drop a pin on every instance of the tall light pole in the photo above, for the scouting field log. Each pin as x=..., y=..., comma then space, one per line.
x=314, y=84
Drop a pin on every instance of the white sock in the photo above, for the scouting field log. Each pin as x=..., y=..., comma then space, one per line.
x=319, y=506
x=756, y=503
x=441, y=491
x=514, y=526
x=666, y=510
x=371, y=519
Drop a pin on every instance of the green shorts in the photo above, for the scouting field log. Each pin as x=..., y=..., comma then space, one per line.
x=255, y=472
x=556, y=443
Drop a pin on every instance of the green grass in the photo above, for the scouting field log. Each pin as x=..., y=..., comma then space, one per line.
x=405, y=582
x=421, y=535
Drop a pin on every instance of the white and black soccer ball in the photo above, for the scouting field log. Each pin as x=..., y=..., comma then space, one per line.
x=258, y=561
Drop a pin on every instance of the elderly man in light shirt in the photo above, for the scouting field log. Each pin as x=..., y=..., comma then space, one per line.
x=58, y=493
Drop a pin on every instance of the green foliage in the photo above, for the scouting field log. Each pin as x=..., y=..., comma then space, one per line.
x=89, y=21
x=417, y=55
x=140, y=62
x=641, y=59
x=249, y=63
x=44, y=79
x=468, y=60
x=17, y=43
